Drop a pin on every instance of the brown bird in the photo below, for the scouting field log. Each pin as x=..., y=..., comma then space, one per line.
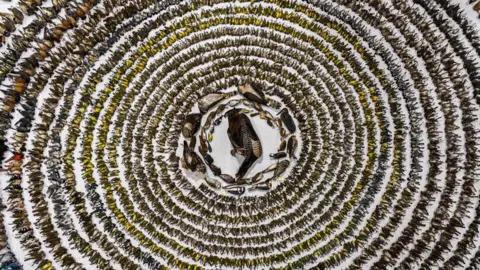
x=244, y=139
x=252, y=94
x=292, y=146
x=191, y=160
x=191, y=124
x=209, y=101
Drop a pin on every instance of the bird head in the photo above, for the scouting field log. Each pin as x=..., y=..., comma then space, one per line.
x=233, y=112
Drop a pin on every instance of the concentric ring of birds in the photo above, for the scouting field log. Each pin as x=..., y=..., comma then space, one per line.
x=97, y=173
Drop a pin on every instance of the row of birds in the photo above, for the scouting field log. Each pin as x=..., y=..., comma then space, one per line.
x=11, y=27
x=415, y=226
x=243, y=138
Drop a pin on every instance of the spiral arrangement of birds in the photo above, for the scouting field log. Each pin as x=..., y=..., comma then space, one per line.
x=111, y=110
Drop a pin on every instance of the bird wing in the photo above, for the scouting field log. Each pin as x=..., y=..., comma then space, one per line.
x=235, y=138
x=252, y=139
x=249, y=127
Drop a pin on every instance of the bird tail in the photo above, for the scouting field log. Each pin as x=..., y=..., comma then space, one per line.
x=247, y=163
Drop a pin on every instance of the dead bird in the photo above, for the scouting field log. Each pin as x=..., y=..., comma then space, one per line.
x=191, y=160
x=253, y=94
x=242, y=181
x=191, y=125
x=278, y=155
x=214, y=183
x=209, y=120
x=287, y=120
x=203, y=147
x=264, y=186
x=227, y=178
x=281, y=168
x=210, y=100
x=236, y=190
x=292, y=146
x=244, y=139
x=216, y=170
x=208, y=158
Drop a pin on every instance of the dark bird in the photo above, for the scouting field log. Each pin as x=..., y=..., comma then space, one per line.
x=287, y=120
x=278, y=155
x=227, y=178
x=216, y=170
x=252, y=94
x=244, y=139
x=292, y=146
x=191, y=160
x=281, y=168
x=191, y=125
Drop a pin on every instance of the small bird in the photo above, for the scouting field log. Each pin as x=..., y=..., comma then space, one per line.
x=227, y=178
x=244, y=139
x=281, y=168
x=191, y=125
x=292, y=146
x=278, y=155
x=287, y=120
x=235, y=190
x=252, y=94
x=210, y=100
x=191, y=160
x=214, y=183
x=267, y=185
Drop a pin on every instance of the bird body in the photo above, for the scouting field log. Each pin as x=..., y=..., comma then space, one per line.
x=191, y=124
x=252, y=94
x=210, y=100
x=244, y=139
x=281, y=168
x=191, y=160
x=287, y=120
x=292, y=145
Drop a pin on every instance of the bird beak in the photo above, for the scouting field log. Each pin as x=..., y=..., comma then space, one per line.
x=281, y=111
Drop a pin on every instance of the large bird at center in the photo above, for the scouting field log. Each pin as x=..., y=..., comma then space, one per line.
x=244, y=139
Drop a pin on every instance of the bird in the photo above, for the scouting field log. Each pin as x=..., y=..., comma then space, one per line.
x=209, y=101
x=191, y=124
x=244, y=139
x=287, y=120
x=281, y=168
x=191, y=160
x=252, y=94
x=292, y=146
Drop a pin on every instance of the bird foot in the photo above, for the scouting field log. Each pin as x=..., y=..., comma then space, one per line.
x=240, y=151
